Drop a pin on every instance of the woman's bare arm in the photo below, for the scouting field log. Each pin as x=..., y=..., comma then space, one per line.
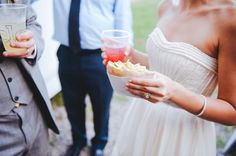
x=223, y=109
x=138, y=57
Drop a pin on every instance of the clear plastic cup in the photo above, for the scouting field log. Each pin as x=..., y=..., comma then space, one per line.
x=116, y=43
x=12, y=23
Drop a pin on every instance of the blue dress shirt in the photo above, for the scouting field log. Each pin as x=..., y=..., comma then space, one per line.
x=95, y=16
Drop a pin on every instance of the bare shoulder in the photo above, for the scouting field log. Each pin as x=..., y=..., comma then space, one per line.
x=224, y=14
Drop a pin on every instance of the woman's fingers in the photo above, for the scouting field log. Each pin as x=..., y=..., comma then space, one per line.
x=104, y=62
x=147, y=82
x=137, y=92
x=145, y=95
x=158, y=87
x=152, y=90
x=104, y=56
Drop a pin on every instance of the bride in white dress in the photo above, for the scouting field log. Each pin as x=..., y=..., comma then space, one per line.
x=192, y=50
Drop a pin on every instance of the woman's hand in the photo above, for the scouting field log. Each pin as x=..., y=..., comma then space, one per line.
x=26, y=44
x=157, y=89
x=128, y=52
x=104, y=57
x=127, y=56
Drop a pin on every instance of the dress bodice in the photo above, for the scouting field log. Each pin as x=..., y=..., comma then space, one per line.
x=183, y=63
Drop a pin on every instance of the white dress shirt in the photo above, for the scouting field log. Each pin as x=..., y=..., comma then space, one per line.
x=95, y=16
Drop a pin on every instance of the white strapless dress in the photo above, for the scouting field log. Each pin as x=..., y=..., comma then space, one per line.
x=161, y=129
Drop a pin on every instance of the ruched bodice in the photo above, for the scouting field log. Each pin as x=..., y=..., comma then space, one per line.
x=183, y=63
x=161, y=129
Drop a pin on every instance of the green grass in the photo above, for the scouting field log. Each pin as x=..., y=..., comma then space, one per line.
x=220, y=144
x=145, y=18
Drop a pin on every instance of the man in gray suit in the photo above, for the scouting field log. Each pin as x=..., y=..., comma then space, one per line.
x=25, y=108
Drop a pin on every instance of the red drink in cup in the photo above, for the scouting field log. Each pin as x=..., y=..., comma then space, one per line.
x=115, y=44
x=115, y=54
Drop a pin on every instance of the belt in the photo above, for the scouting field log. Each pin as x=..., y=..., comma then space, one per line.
x=89, y=52
x=83, y=51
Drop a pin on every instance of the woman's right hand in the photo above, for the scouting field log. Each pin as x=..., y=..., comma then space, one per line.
x=104, y=57
x=129, y=52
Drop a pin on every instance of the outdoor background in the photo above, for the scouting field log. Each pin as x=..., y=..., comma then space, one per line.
x=144, y=15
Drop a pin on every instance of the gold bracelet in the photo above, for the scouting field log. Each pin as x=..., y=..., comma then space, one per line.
x=204, y=107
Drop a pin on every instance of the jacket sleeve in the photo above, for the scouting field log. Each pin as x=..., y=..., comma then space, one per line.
x=34, y=26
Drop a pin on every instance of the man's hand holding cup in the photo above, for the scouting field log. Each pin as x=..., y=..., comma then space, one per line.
x=25, y=43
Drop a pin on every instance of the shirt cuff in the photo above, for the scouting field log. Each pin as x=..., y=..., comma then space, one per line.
x=34, y=53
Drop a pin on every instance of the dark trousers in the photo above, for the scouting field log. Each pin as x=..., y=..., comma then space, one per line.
x=81, y=74
x=231, y=151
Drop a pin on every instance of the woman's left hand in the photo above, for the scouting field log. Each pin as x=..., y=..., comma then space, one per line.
x=157, y=89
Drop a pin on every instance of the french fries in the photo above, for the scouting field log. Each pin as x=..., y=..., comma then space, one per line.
x=127, y=69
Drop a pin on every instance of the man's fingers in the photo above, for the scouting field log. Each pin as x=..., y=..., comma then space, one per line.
x=24, y=36
x=27, y=44
x=19, y=54
x=22, y=47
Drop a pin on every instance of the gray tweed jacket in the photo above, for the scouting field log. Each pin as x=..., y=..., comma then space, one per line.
x=21, y=80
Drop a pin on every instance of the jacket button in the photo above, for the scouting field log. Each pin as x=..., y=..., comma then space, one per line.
x=9, y=79
x=16, y=98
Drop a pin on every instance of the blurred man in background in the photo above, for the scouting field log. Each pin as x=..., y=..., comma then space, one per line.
x=78, y=27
